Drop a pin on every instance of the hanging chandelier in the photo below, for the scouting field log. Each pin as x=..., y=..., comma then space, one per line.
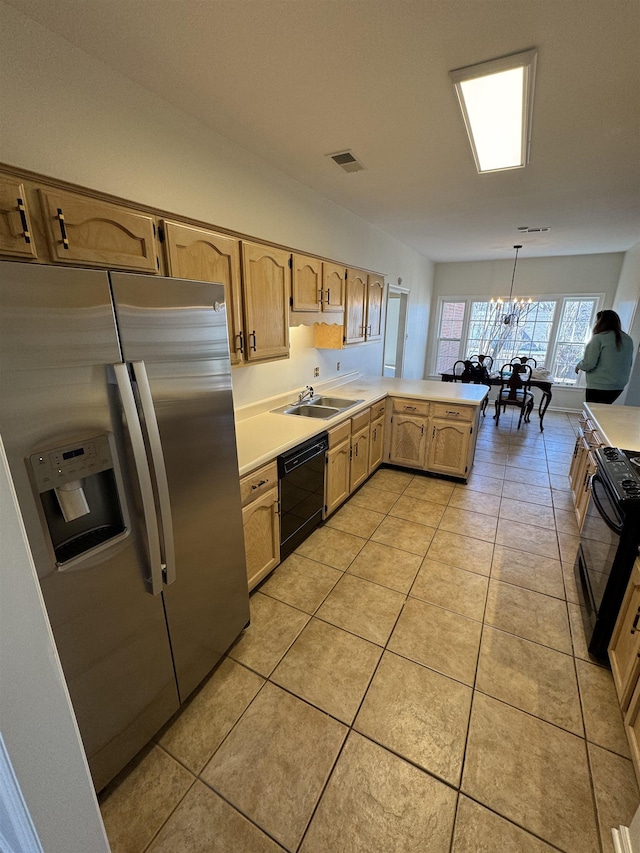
x=511, y=311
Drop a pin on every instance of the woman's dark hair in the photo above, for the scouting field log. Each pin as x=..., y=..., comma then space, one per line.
x=608, y=321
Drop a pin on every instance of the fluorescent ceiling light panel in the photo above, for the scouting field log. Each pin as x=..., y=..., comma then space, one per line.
x=496, y=99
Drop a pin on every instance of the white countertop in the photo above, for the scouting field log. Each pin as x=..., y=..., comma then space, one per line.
x=264, y=436
x=619, y=426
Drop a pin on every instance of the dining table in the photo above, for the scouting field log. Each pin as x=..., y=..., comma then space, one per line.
x=545, y=385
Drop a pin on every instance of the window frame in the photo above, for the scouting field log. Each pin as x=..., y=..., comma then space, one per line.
x=559, y=298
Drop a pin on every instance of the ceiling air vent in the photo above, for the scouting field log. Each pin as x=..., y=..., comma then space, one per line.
x=524, y=229
x=347, y=161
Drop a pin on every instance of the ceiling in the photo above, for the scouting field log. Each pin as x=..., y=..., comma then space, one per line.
x=295, y=80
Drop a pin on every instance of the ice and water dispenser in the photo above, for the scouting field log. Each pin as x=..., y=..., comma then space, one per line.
x=80, y=491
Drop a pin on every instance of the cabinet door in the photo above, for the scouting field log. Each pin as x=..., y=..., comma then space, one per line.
x=333, y=279
x=266, y=288
x=16, y=236
x=632, y=729
x=375, y=292
x=575, y=462
x=624, y=649
x=582, y=496
x=449, y=447
x=307, y=284
x=261, y=536
x=338, y=474
x=202, y=255
x=408, y=440
x=359, y=457
x=84, y=230
x=376, y=443
x=355, y=308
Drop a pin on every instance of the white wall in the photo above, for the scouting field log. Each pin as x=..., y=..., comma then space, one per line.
x=36, y=718
x=627, y=304
x=68, y=116
x=598, y=274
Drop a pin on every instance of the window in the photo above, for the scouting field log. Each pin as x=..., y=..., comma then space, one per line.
x=553, y=331
x=574, y=330
x=488, y=335
x=449, y=335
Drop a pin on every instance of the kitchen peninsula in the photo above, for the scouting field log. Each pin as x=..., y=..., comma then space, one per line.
x=262, y=435
x=423, y=425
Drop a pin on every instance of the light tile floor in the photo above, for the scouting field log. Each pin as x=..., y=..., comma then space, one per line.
x=415, y=678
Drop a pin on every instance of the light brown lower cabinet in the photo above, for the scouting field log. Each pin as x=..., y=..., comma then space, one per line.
x=376, y=443
x=360, y=427
x=261, y=522
x=408, y=440
x=448, y=447
x=338, y=475
x=624, y=648
x=632, y=729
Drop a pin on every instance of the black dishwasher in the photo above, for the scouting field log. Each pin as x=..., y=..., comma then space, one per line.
x=301, y=475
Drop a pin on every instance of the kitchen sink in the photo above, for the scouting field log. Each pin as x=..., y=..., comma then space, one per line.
x=306, y=410
x=339, y=403
x=318, y=407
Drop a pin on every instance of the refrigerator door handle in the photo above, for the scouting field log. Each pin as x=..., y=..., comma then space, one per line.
x=157, y=457
x=144, y=475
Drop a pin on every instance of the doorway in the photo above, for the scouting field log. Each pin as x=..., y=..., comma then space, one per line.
x=395, y=334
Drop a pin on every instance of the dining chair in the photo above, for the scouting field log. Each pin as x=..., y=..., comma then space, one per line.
x=473, y=371
x=526, y=359
x=515, y=390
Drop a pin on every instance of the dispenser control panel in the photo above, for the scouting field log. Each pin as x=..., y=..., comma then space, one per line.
x=56, y=467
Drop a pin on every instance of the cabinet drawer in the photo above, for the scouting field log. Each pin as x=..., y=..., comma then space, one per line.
x=360, y=421
x=411, y=407
x=378, y=409
x=446, y=410
x=254, y=485
x=339, y=433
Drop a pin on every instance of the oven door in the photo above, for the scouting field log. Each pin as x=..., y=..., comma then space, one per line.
x=599, y=542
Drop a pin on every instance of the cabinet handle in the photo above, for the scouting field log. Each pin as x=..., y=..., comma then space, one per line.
x=433, y=434
x=634, y=627
x=422, y=430
x=23, y=220
x=328, y=296
x=261, y=483
x=321, y=296
x=455, y=414
x=369, y=329
x=253, y=335
x=374, y=433
x=409, y=408
x=240, y=347
x=63, y=229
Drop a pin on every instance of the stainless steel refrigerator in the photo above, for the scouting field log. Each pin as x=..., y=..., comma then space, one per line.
x=117, y=416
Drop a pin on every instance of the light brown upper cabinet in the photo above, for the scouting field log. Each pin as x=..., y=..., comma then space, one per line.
x=266, y=280
x=317, y=286
x=16, y=235
x=202, y=255
x=375, y=292
x=306, y=289
x=82, y=230
x=356, y=306
x=333, y=281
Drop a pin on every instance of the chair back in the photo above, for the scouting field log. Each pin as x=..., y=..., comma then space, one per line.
x=470, y=370
x=485, y=361
x=516, y=377
x=526, y=359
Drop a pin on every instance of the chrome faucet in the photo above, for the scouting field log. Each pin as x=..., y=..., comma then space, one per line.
x=308, y=392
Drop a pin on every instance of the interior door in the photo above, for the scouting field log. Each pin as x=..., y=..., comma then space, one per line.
x=178, y=330
x=57, y=341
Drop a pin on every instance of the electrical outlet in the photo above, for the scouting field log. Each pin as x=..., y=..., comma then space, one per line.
x=316, y=371
x=338, y=366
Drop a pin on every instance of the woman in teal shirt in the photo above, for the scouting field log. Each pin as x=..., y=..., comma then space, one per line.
x=607, y=359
